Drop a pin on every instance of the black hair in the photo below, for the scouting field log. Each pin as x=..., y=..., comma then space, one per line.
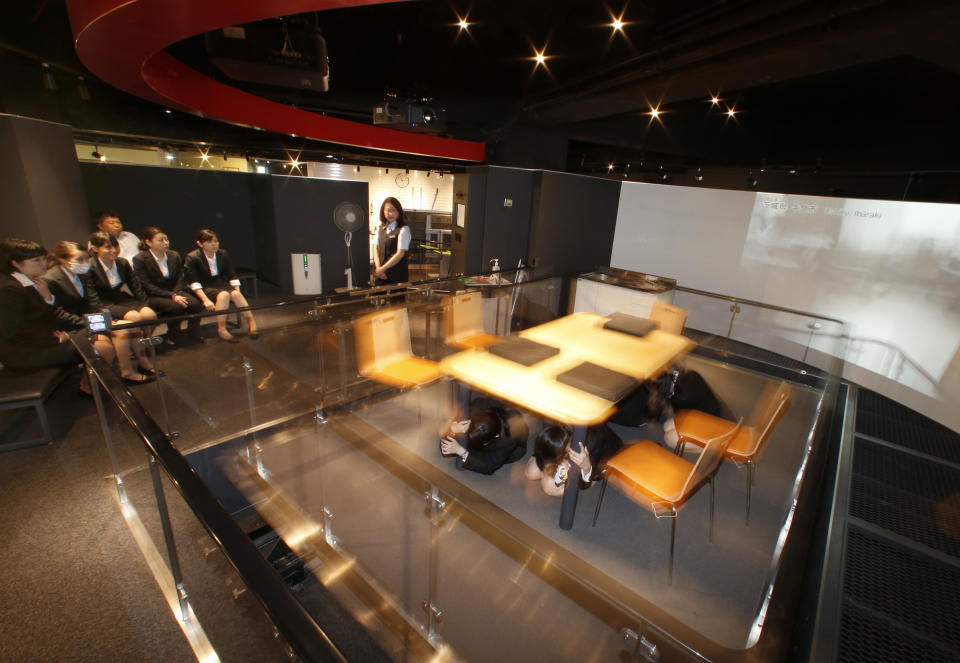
x=396, y=203
x=206, y=235
x=550, y=445
x=105, y=214
x=18, y=249
x=148, y=234
x=101, y=238
x=485, y=426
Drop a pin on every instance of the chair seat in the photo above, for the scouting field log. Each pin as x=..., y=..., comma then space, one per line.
x=698, y=427
x=408, y=372
x=476, y=341
x=28, y=385
x=647, y=473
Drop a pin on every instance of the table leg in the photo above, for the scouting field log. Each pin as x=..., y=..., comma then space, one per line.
x=463, y=396
x=568, y=507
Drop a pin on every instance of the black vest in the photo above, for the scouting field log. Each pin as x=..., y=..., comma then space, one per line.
x=386, y=247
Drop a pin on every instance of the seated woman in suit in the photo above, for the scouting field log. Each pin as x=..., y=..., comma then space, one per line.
x=160, y=272
x=213, y=281
x=492, y=436
x=33, y=330
x=553, y=458
x=109, y=276
x=69, y=283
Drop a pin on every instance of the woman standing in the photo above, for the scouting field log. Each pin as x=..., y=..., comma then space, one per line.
x=392, y=242
x=160, y=272
x=33, y=330
x=70, y=284
x=108, y=275
x=213, y=281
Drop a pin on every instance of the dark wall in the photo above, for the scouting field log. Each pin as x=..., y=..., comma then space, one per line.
x=572, y=224
x=303, y=222
x=475, y=220
x=260, y=219
x=41, y=190
x=179, y=201
x=506, y=226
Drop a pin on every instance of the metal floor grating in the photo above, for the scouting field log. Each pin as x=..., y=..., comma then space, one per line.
x=882, y=418
x=897, y=605
x=907, y=495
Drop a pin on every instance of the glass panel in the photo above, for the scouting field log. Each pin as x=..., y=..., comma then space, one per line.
x=339, y=481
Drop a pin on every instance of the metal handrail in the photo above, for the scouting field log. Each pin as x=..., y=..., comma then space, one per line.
x=293, y=622
x=750, y=302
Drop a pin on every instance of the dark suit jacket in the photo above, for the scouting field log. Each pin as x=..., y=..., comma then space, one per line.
x=153, y=280
x=67, y=296
x=101, y=284
x=26, y=321
x=198, y=270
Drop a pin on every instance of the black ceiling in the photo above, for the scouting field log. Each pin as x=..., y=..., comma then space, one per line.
x=868, y=85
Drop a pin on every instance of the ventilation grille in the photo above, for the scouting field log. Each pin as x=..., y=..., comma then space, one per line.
x=898, y=605
x=907, y=495
x=882, y=418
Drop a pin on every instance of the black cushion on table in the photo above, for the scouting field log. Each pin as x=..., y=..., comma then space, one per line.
x=630, y=324
x=599, y=381
x=523, y=350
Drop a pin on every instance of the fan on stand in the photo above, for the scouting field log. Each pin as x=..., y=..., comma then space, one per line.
x=350, y=218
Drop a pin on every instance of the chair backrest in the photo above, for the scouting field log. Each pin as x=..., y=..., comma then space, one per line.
x=709, y=461
x=381, y=338
x=462, y=315
x=671, y=318
x=765, y=414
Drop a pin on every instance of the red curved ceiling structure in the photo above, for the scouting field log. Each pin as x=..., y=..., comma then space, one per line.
x=123, y=42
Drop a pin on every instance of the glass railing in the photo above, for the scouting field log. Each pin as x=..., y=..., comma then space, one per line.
x=320, y=492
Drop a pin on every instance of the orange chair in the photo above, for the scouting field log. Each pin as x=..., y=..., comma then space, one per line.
x=463, y=322
x=383, y=350
x=698, y=427
x=661, y=481
x=671, y=318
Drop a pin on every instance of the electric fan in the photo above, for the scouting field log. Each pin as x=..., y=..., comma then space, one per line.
x=350, y=218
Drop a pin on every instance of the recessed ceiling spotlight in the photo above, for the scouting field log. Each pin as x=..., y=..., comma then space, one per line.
x=654, y=112
x=609, y=167
x=699, y=176
x=715, y=100
x=731, y=112
x=168, y=111
x=462, y=23
x=540, y=57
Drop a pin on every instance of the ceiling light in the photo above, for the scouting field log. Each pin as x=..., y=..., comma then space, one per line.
x=654, y=112
x=170, y=156
x=205, y=157
x=379, y=171
x=356, y=169
x=48, y=81
x=416, y=173
x=609, y=167
x=715, y=100
x=699, y=176
x=617, y=25
x=462, y=23
x=294, y=164
x=97, y=155
x=168, y=111
x=731, y=112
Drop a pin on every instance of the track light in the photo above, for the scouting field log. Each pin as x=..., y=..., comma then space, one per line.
x=48, y=81
x=356, y=169
x=96, y=154
x=699, y=176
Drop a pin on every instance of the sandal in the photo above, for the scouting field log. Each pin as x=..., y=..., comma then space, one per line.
x=147, y=371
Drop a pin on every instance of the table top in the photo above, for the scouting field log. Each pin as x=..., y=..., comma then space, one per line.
x=579, y=337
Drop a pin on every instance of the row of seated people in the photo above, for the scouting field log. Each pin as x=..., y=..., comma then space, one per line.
x=495, y=434
x=41, y=303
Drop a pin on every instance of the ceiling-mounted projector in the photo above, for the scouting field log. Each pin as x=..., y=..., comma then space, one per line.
x=412, y=116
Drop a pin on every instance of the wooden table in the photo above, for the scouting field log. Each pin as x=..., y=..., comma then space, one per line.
x=580, y=337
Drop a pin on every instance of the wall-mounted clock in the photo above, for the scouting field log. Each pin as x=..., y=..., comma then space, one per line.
x=402, y=180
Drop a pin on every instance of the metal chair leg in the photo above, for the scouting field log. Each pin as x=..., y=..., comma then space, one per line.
x=44, y=422
x=713, y=495
x=603, y=489
x=749, y=487
x=673, y=536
